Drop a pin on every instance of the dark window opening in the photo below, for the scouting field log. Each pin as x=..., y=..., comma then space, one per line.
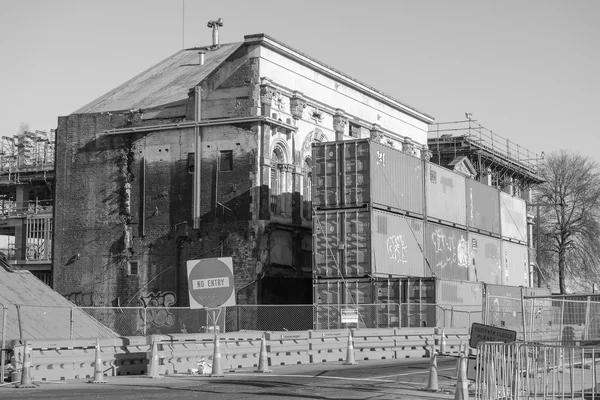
x=132, y=268
x=226, y=161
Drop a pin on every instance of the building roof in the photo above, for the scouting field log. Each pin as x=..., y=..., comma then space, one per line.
x=44, y=313
x=170, y=80
x=165, y=83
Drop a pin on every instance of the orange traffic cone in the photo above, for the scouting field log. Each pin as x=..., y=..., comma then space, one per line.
x=98, y=374
x=26, y=381
x=462, y=384
x=263, y=360
x=350, y=351
x=432, y=385
x=217, y=369
x=153, y=365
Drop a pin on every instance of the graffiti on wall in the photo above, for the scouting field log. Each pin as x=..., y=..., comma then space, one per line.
x=81, y=299
x=397, y=248
x=450, y=250
x=157, y=313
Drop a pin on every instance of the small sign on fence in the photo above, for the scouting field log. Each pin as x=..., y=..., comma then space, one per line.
x=349, y=316
x=488, y=333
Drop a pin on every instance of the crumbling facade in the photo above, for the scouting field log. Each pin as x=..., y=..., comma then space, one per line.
x=207, y=154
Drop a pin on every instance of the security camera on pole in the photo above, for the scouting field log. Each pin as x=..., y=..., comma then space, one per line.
x=210, y=283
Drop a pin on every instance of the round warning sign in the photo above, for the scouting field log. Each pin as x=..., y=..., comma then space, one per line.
x=210, y=282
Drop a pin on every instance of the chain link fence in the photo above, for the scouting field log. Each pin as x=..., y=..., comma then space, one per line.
x=567, y=318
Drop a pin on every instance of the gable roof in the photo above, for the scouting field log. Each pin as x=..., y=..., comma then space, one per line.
x=165, y=83
x=44, y=313
x=463, y=166
x=169, y=81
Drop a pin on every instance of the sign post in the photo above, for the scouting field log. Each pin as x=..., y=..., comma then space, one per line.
x=210, y=284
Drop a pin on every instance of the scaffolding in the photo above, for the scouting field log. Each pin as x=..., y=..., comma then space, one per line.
x=27, y=152
x=504, y=161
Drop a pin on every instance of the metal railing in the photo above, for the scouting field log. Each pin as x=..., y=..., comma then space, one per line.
x=528, y=370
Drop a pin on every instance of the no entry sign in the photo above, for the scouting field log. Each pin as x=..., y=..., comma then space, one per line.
x=210, y=282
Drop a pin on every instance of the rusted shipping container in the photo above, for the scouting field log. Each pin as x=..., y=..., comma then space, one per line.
x=459, y=303
x=354, y=173
x=447, y=252
x=513, y=218
x=446, y=195
x=362, y=242
x=485, y=257
x=515, y=264
x=483, y=207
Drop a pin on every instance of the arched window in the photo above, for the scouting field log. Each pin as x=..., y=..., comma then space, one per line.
x=277, y=181
x=307, y=188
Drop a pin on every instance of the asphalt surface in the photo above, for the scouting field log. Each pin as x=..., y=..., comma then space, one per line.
x=372, y=379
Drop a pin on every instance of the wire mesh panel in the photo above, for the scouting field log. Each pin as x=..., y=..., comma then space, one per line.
x=269, y=317
x=562, y=318
x=125, y=321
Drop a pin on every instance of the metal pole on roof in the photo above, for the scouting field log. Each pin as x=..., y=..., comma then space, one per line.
x=2, y=343
x=18, y=306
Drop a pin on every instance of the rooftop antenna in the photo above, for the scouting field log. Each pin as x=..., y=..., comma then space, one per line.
x=215, y=33
x=183, y=24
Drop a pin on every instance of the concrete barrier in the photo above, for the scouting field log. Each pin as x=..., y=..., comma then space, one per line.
x=74, y=359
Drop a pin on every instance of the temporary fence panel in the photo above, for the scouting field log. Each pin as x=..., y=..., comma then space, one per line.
x=503, y=307
x=485, y=259
x=483, y=207
x=515, y=264
x=360, y=242
x=447, y=252
x=459, y=303
x=446, y=195
x=328, y=291
x=354, y=173
x=513, y=218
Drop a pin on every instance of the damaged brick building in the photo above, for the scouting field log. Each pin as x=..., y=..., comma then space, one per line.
x=207, y=154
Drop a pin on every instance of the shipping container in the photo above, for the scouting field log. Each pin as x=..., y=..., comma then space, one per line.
x=485, y=257
x=459, y=303
x=446, y=195
x=483, y=207
x=419, y=303
x=515, y=264
x=355, y=173
x=503, y=307
x=447, y=252
x=513, y=218
x=328, y=291
x=363, y=242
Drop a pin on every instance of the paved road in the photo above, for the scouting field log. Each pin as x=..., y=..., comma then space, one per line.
x=374, y=379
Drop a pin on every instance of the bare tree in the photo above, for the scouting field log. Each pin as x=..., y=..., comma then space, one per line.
x=569, y=222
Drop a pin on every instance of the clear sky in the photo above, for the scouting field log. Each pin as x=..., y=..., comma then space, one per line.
x=529, y=70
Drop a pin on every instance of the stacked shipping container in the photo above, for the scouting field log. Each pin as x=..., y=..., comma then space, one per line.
x=388, y=222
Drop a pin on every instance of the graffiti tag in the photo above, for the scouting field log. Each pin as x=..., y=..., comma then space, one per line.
x=450, y=250
x=397, y=249
x=157, y=312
